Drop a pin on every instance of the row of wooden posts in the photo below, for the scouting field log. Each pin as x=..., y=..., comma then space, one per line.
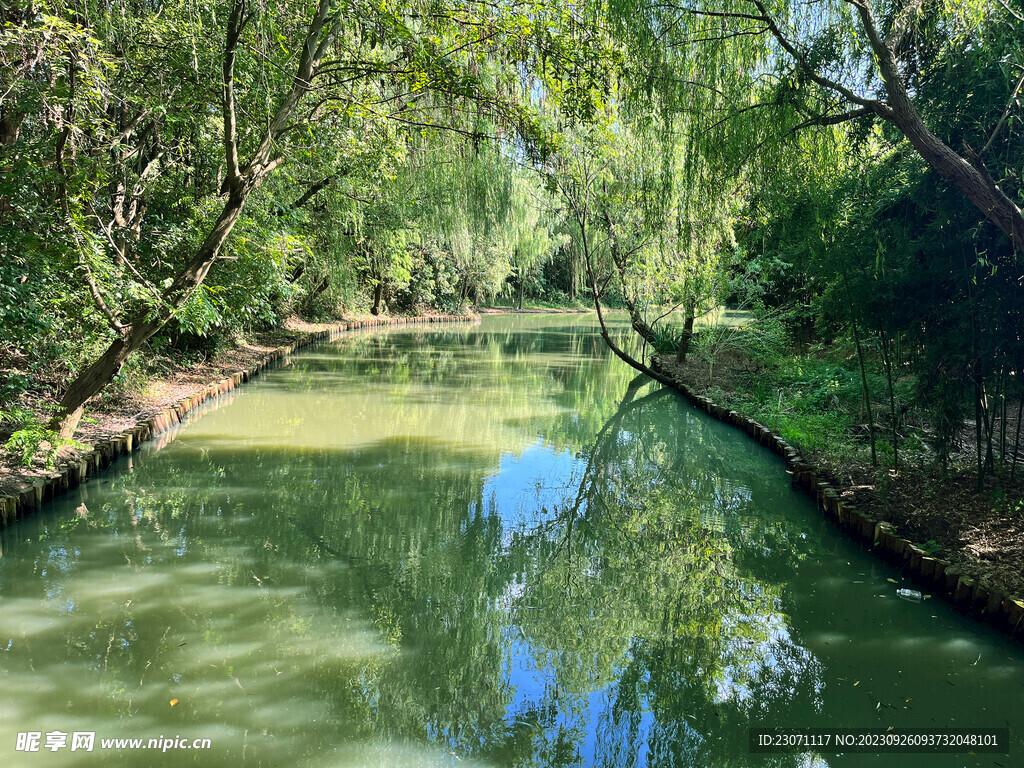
x=934, y=575
x=100, y=455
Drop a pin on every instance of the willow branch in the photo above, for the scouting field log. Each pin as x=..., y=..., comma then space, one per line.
x=810, y=71
x=844, y=117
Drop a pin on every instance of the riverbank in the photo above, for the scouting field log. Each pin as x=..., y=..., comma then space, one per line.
x=979, y=534
x=178, y=380
x=469, y=511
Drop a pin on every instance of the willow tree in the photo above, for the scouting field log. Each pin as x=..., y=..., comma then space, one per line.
x=668, y=217
x=758, y=70
x=580, y=174
x=532, y=241
x=648, y=215
x=464, y=207
x=161, y=101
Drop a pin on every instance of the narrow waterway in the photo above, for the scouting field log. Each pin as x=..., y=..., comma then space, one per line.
x=468, y=545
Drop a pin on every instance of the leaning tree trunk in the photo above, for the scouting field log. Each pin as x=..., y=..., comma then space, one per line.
x=639, y=324
x=968, y=175
x=967, y=172
x=91, y=381
x=619, y=353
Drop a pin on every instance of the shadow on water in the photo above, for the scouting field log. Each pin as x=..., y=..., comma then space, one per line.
x=554, y=565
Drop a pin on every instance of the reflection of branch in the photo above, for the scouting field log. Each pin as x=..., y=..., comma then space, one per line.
x=586, y=492
x=615, y=420
x=321, y=542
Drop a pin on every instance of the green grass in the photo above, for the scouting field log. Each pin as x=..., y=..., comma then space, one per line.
x=814, y=403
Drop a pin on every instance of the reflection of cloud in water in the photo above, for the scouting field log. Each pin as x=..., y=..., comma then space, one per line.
x=23, y=618
x=775, y=667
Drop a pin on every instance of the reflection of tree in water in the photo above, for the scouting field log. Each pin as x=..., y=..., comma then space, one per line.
x=644, y=606
x=644, y=597
x=507, y=370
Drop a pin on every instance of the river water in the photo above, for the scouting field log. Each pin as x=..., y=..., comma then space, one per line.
x=473, y=545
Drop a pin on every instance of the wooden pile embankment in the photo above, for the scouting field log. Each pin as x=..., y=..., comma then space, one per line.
x=934, y=575
x=100, y=455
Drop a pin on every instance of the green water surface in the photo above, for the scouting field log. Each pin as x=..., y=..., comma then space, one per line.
x=473, y=545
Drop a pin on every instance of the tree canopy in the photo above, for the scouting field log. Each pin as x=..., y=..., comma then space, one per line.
x=174, y=173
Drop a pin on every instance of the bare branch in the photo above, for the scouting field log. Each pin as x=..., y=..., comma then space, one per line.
x=308, y=194
x=132, y=125
x=112, y=320
x=315, y=46
x=762, y=18
x=844, y=117
x=121, y=256
x=887, y=65
x=236, y=23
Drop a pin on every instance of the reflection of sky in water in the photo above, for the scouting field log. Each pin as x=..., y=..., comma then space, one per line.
x=777, y=658
x=526, y=486
x=602, y=729
x=525, y=490
x=588, y=715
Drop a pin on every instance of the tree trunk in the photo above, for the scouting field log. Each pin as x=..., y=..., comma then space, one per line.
x=971, y=178
x=980, y=484
x=968, y=175
x=1002, y=429
x=686, y=336
x=641, y=326
x=867, y=395
x=966, y=172
x=887, y=360
x=1016, y=441
x=619, y=353
x=98, y=375
x=378, y=297
x=10, y=127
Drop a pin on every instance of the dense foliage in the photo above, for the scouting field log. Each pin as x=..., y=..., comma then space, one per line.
x=173, y=175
